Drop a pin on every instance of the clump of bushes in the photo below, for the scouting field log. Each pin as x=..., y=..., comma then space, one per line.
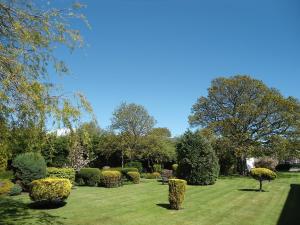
x=266, y=162
x=177, y=189
x=50, y=190
x=197, y=161
x=262, y=174
x=157, y=168
x=111, y=179
x=15, y=190
x=28, y=167
x=88, y=176
x=134, y=177
x=5, y=186
x=135, y=164
x=67, y=173
x=154, y=175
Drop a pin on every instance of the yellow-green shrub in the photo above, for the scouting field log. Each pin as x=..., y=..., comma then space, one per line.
x=177, y=189
x=153, y=175
x=134, y=177
x=5, y=186
x=67, y=173
x=262, y=174
x=50, y=189
x=111, y=179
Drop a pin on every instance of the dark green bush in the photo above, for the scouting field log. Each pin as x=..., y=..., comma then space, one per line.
x=88, y=176
x=197, y=161
x=176, y=193
x=28, y=167
x=67, y=173
x=125, y=171
x=15, y=190
x=134, y=177
x=135, y=164
x=111, y=179
x=283, y=167
x=157, y=168
x=154, y=175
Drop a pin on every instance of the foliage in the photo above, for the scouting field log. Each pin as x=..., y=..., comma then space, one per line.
x=3, y=162
x=134, y=177
x=15, y=190
x=262, y=174
x=283, y=167
x=67, y=173
x=28, y=167
x=248, y=114
x=174, y=167
x=111, y=179
x=88, y=176
x=6, y=174
x=50, y=190
x=5, y=186
x=154, y=175
x=157, y=168
x=78, y=156
x=266, y=162
x=197, y=162
x=177, y=189
x=135, y=164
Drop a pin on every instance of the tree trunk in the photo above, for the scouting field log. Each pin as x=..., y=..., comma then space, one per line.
x=260, y=185
x=122, y=158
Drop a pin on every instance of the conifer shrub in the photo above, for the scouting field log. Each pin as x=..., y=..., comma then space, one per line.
x=177, y=189
x=5, y=186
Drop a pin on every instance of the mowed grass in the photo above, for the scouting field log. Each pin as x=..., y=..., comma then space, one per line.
x=230, y=201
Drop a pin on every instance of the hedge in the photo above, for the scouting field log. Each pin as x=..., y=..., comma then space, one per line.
x=111, y=179
x=134, y=177
x=153, y=175
x=177, y=189
x=50, y=190
x=67, y=173
x=88, y=176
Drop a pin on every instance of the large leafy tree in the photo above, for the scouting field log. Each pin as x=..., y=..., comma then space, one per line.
x=247, y=115
x=29, y=33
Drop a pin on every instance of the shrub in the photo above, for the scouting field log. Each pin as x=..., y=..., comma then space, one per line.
x=3, y=161
x=157, y=168
x=5, y=186
x=167, y=174
x=125, y=171
x=174, y=167
x=197, y=161
x=111, y=179
x=266, y=162
x=176, y=193
x=28, y=167
x=88, y=176
x=135, y=164
x=15, y=190
x=262, y=174
x=50, y=190
x=284, y=167
x=153, y=175
x=134, y=177
x=67, y=173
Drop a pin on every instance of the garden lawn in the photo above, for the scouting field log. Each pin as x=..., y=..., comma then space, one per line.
x=230, y=201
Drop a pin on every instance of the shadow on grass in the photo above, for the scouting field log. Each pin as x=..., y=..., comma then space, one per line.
x=290, y=213
x=46, y=205
x=251, y=189
x=15, y=211
x=164, y=205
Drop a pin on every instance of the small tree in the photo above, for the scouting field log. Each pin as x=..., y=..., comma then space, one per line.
x=266, y=162
x=262, y=174
x=197, y=161
x=78, y=156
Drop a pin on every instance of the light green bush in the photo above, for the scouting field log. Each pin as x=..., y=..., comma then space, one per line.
x=134, y=177
x=177, y=189
x=67, y=173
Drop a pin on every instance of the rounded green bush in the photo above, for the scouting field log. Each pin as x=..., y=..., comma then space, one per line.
x=50, y=190
x=197, y=161
x=177, y=189
x=135, y=164
x=67, y=173
x=5, y=186
x=15, y=190
x=134, y=177
x=88, y=176
x=111, y=179
x=28, y=167
x=157, y=168
x=262, y=174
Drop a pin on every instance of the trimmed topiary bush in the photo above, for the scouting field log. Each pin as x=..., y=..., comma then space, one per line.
x=135, y=164
x=266, y=162
x=111, y=179
x=67, y=173
x=177, y=189
x=262, y=174
x=126, y=170
x=154, y=175
x=5, y=186
x=15, y=190
x=134, y=177
x=28, y=167
x=50, y=190
x=197, y=161
x=157, y=168
x=88, y=176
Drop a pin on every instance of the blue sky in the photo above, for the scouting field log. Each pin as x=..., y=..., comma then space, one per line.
x=164, y=53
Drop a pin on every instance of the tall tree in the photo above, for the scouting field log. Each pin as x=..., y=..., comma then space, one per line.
x=247, y=113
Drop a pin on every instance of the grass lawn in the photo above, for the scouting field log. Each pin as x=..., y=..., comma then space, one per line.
x=230, y=201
